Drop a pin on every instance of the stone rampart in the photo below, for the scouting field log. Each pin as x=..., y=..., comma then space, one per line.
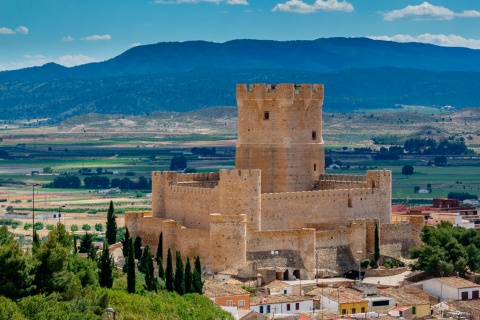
x=228, y=245
x=398, y=238
x=296, y=249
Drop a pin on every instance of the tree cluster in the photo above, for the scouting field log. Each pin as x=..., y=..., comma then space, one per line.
x=67, y=181
x=178, y=163
x=430, y=146
x=447, y=250
x=461, y=196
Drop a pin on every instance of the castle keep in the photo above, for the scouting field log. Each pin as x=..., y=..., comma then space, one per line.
x=278, y=198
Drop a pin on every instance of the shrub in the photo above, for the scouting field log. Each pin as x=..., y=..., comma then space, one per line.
x=49, y=226
x=98, y=227
x=86, y=227
x=365, y=263
x=9, y=209
x=129, y=173
x=388, y=263
x=373, y=264
x=38, y=226
x=73, y=228
x=27, y=226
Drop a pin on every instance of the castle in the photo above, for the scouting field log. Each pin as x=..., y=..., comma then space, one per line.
x=277, y=209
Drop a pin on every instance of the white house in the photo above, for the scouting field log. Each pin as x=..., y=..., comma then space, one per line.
x=279, y=287
x=471, y=202
x=451, y=288
x=281, y=304
x=454, y=218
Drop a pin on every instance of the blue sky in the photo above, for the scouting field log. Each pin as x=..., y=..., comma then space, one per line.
x=72, y=32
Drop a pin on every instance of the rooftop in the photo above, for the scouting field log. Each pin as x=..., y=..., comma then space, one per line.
x=255, y=301
x=343, y=295
x=216, y=288
x=277, y=286
x=457, y=282
x=404, y=298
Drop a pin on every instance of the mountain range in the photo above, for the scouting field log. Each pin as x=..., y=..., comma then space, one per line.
x=358, y=73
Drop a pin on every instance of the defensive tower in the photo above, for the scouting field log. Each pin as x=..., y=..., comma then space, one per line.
x=280, y=132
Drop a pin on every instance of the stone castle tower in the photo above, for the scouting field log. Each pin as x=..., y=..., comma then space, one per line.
x=280, y=132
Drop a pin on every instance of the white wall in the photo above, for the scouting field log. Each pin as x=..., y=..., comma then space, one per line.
x=281, y=308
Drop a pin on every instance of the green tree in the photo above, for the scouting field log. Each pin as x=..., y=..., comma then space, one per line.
x=47, y=170
x=105, y=267
x=17, y=268
x=142, y=263
x=151, y=282
x=36, y=241
x=440, y=161
x=376, y=244
x=407, y=170
x=86, y=227
x=188, y=277
x=111, y=232
x=159, y=255
x=130, y=268
x=125, y=242
x=178, y=163
x=74, y=237
x=179, y=283
x=197, y=276
x=169, y=276
x=161, y=270
x=98, y=227
x=9, y=310
x=87, y=246
x=73, y=228
x=137, y=247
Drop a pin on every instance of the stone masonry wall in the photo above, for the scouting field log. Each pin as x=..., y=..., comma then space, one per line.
x=301, y=242
x=227, y=242
x=397, y=238
x=239, y=194
x=280, y=132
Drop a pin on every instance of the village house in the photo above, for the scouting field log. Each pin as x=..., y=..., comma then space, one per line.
x=226, y=294
x=451, y=288
x=281, y=304
x=343, y=301
x=414, y=299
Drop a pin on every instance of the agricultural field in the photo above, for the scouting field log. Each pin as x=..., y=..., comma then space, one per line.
x=132, y=147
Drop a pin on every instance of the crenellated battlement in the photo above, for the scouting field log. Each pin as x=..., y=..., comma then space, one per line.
x=190, y=190
x=342, y=177
x=334, y=193
x=241, y=174
x=283, y=91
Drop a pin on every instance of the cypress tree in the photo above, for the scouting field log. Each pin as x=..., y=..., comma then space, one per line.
x=130, y=268
x=179, y=275
x=125, y=243
x=377, y=245
x=188, y=277
x=197, y=276
x=169, y=276
x=74, y=243
x=87, y=246
x=161, y=271
x=151, y=283
x=159, y=254
x=144, y=259
x=36, y=241
x=137, y=248
x=105, y=266
x=111, y=232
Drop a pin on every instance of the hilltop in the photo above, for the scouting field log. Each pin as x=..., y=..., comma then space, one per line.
x=358, y=73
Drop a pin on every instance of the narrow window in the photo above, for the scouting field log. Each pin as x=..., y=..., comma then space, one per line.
x=241, y=303
x=314, y=135
x=288, y=306
x=354, y=310
x=261, y=309
x=229, y=303
x=268, y=308
x=344, y=311
x=363, y=309
x=414, y=310
x=314, y=167
x=266, y=115
x=297, y=305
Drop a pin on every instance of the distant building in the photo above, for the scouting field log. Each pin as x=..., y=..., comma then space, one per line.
x=227, y=294
x=281, y=304
x=343, y=301
x=453, y=217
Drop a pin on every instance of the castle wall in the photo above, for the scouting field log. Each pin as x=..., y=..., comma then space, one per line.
x=328, y=209
x=190, y=242
x=227, y=242
x=340, y=181
x=295, y=248
x=396, y=239
x=239, y=194
x=280, y=132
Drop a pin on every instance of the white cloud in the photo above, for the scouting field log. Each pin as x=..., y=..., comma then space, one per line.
x=74, y=60
x=39, y=60
x=298, y=6
x=67, y=39
x=18, y=30
x=22, y=30
x=136, y=44
x=240, y=2
x=426, y=11
x=97, y=37
x=437, y=39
